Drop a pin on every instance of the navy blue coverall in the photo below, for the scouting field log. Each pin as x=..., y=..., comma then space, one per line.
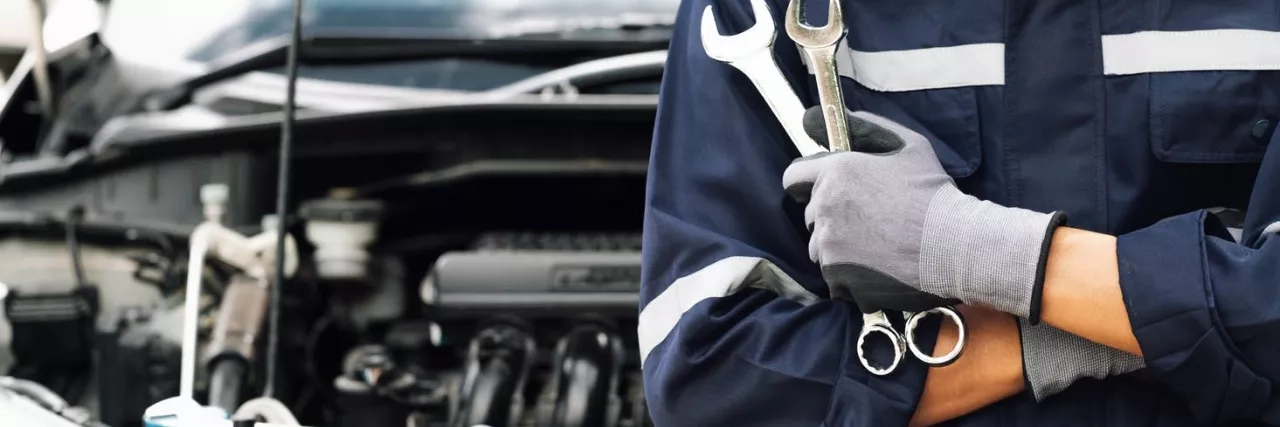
x=1136, y=117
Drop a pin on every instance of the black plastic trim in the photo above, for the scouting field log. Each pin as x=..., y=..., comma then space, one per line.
x=576, y=126
x=1056, y=220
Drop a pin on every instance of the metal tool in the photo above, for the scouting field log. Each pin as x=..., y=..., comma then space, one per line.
x=820, y=44
x=751, y=52
x=877, y=322
x=962, y=335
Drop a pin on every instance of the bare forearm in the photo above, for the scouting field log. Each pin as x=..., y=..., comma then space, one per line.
x=989, y=371
x=1082, y=290
x=1081, y=296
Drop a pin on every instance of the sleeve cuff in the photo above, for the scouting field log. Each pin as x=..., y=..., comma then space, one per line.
x=1170, y=300
x=1056, y=219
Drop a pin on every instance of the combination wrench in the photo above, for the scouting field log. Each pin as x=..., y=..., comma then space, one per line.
x=820, y=45
x=751, y=52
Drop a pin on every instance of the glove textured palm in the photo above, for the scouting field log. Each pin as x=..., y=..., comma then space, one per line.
x=886, y=220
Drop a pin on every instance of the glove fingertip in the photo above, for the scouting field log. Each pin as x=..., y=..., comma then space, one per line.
x=816, y=126
x=801, y=175
x=867, y=132
x=800, y=191
x=813, y=250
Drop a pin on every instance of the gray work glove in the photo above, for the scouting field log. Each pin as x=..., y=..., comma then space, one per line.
x=1053, y=359
x=886, y=217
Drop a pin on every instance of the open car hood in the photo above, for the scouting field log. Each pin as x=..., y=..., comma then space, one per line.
x=184, y=33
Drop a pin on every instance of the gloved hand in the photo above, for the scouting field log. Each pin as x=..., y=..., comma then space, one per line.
x=885, y=216
x=1053, y=359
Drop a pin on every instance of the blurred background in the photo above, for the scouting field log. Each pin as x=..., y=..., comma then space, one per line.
x=462, y=211
x=15, y=33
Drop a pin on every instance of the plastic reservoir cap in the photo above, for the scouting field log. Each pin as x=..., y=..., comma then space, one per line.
x=342, y=210
x=270, y=222
x=215, y=193
x=184, y=412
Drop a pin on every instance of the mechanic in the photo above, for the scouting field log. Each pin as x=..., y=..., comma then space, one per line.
x=1056, y=165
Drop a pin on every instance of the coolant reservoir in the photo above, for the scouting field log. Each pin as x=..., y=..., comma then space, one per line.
x=342, y=230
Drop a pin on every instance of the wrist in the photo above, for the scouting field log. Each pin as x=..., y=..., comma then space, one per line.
x=986, y=254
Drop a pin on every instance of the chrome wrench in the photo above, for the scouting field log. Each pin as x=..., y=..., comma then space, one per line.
x=820, y=45
x=751, y=52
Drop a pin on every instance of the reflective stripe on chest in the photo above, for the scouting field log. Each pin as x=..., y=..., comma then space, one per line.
x=983, y=64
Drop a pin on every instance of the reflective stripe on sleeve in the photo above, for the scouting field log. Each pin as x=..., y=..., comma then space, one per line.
x=722, y=278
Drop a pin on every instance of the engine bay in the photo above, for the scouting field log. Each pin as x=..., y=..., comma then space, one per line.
x=456, y=281
x=402, y=219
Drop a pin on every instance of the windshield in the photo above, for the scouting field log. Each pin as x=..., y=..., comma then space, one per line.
x=202, y=30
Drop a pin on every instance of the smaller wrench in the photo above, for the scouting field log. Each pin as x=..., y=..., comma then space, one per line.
x=878, y=322
x=820, y=45
x=751, y=52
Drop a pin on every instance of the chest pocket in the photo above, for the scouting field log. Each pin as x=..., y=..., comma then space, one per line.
x=926, y=64
x=1214, y=84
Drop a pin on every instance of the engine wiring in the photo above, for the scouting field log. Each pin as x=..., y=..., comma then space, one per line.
x=73, y=245
x=282, y=197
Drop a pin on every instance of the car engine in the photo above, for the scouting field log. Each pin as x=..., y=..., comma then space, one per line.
x=453, y=256
x=386, y=316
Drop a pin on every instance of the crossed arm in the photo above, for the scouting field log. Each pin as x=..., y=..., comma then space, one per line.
x=1081, y=295
x=714, y=200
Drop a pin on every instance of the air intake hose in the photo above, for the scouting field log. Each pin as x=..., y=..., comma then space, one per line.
x=585, y=380
x=498, y=363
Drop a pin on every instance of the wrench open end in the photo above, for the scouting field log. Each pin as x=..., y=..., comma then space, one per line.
x=736, y=47
x=751, y=52
x=807, y=35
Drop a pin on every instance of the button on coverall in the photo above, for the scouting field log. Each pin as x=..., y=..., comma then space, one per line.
x=1137, y=118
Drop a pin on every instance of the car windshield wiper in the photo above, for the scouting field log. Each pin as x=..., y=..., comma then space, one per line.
x=364, y=45
x=621, y=26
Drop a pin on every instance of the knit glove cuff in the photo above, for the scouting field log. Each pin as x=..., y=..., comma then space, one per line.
x=985, y=254
x=1053, y=359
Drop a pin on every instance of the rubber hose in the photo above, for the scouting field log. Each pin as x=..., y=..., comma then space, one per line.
x=268, y=409
x=36, y=392
x=225, y=381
